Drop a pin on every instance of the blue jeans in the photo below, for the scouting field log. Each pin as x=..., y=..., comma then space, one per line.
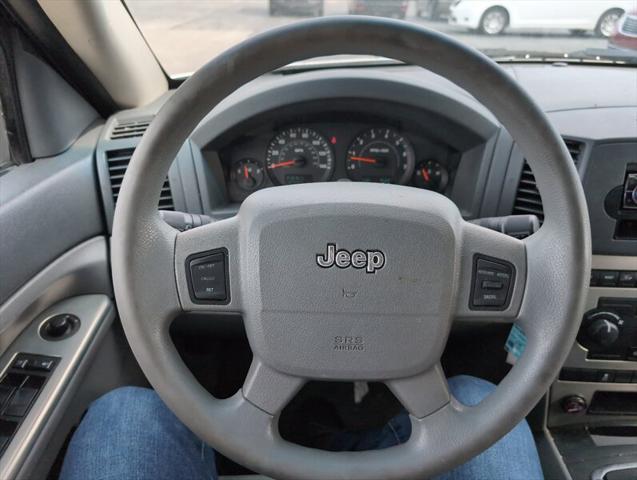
x=130, y=434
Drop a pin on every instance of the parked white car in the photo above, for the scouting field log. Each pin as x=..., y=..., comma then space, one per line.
x=492, y=17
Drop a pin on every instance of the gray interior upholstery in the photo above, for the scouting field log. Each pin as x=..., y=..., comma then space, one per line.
x=556, y=261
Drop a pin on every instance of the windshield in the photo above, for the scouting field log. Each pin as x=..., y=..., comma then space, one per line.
x=185, y=34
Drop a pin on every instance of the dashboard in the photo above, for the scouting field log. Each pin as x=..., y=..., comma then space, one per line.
x=344, y=147
x=401, y=125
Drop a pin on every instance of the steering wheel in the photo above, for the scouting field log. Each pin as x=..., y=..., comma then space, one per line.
x=350, y=281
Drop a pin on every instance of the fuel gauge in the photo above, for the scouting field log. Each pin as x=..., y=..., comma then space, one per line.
x=248, y=174
x=431, y=175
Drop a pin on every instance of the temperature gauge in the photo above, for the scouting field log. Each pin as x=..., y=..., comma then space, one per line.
x=431, y=175
x=248, y=174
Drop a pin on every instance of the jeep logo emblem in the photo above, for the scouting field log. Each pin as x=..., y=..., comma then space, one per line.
x=370, y=260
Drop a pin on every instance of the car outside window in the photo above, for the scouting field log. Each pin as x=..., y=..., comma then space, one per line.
x=185, y=34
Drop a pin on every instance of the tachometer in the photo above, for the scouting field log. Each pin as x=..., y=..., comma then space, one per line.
x=299, y=155
x=380, y=155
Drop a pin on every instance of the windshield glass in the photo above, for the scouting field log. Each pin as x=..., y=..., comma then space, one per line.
x=184, y=34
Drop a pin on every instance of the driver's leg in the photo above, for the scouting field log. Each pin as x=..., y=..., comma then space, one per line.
x=514, y=457
x=130, y=433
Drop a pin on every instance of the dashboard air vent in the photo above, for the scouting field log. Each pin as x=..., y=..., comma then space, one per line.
x=130, y=128
x=527, y=198
x=575, y=148
x=117, y=161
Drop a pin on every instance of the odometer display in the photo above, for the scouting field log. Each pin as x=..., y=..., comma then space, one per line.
x=299, y=155
x=380, y=155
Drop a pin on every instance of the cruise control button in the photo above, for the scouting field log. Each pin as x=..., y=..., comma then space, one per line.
x=208, y=277
x=492, y=283
x=488, y=299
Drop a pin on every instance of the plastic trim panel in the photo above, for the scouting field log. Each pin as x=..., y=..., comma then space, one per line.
x=82, y=270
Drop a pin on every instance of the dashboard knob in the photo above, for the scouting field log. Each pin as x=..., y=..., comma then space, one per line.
x=602, y=327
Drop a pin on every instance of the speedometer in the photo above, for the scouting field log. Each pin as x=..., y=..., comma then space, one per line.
x=299, y=155
x=380, y=155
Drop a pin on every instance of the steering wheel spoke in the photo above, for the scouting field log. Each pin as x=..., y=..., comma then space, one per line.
x=423, y=394
x=492, y=275
x=269, y=389
x=206, y=268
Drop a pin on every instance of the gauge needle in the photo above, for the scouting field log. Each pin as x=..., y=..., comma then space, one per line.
x=364, y=159
x=245, y=172
x=287, y=163
x=425, y=174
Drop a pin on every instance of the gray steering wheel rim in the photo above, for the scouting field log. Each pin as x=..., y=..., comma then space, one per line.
x=556, y=281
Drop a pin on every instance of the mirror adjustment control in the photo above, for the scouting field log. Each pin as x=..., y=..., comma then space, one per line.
x=492, y=283
x=208, y=277
x=59, y=327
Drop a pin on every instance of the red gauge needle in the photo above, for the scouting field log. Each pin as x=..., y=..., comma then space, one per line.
x=287, y=163
x=364, y=159
x=245, y=172
x=425, y=174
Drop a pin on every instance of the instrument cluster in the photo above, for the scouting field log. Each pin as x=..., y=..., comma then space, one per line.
x=333, y=152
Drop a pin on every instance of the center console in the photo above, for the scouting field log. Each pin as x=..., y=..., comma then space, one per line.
x=593, y=404
x=592, y=414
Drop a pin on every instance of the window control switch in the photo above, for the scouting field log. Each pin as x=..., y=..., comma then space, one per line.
x=21, y=401
x=5, y=393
